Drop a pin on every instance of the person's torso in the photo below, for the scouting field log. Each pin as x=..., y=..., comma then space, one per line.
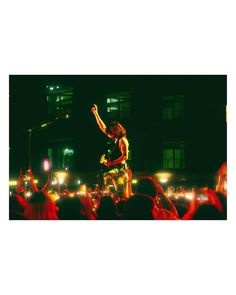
x=114, y=151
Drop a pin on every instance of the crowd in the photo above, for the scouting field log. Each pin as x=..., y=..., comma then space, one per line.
x=149, y=202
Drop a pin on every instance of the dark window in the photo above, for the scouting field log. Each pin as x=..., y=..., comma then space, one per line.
x=59, y=101
x=173, y=107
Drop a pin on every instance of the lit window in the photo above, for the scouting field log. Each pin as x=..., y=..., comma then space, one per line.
x=118, y=105
x=174, y=155
x=114, y=100
x=67, y=161
x=59, y=101
x=69, y=152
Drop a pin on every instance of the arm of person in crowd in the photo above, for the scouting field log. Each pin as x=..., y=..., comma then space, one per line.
x=19, y=187
x=32, y=181
x=46, y=185
x=192, y=207
x=222, y=180
x=100, y=122
x=124, y=149
x=165, y=202
x=213, y=199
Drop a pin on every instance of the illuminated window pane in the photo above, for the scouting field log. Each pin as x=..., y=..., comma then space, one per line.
x=67, y=159
x=68, y=152
x=173, y=155
x=114, y=100
x=60, y=101
x=118, y=105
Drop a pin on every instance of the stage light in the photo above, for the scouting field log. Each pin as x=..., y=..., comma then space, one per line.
x=163, y=180
x=28, y=194
x=134, y=181
x=43, y=125
x=189, y=196
x=78, y=181
x=12, y=182
x=61, y=175
x=54, y=196
x=51, y=88
x=163, y=177
x=79, y=193
x=57, y=87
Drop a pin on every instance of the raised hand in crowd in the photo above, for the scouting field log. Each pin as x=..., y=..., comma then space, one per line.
x=148, y=185
x=20, y=188
x=32, y=183
x=221, y=185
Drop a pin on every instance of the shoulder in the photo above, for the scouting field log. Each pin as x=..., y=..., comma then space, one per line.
x=123, y=140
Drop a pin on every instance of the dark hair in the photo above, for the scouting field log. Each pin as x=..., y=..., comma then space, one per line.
x=71, y=209
x=17, y=203
x=139, y=207
x=40, y=207
x=147, y=185
x=37, y=198
x=182, y=209
x=117, y=127
x=107, y=209
x=207, y=212
x=121, y=207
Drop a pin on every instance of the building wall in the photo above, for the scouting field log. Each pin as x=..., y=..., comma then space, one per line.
x=202, y=129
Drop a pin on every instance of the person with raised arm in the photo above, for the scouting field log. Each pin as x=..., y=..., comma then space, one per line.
x=115, y=162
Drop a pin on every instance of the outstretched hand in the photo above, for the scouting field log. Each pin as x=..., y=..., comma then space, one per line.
x=94, y=109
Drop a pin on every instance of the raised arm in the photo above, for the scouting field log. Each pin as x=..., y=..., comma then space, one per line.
x=100, y=123
x=164, y=201
x=32, y=181
x=19, y=187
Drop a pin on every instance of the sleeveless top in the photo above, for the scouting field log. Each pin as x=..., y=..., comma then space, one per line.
x=114, y=151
